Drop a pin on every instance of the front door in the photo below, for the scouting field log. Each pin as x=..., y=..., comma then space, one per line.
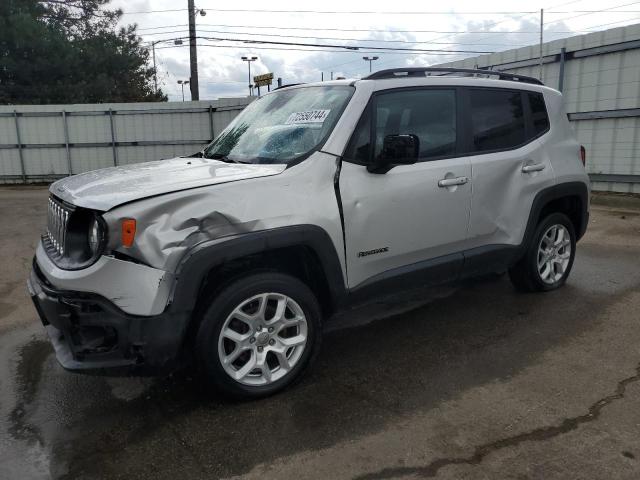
x=413, y=215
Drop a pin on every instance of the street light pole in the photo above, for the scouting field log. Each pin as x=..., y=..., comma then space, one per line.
x=155, y=71
x=249, y=60
x=176, y=42
x=370, y=60
x=182, y=83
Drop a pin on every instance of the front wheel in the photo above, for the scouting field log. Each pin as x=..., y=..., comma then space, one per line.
x=258, y=335
x=549, y=257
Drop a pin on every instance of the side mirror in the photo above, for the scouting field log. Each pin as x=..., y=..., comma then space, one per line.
x=396, y=150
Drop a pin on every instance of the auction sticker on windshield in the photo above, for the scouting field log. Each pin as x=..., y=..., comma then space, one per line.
x=310, y=116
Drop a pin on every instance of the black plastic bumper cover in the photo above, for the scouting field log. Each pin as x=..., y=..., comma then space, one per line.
x=91, y=334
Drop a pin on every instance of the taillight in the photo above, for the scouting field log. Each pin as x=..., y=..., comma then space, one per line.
x=583, y=155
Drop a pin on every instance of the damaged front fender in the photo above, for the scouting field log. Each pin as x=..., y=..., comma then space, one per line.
x=170, y=225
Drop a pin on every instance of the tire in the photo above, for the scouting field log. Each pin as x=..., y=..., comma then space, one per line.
x=526, y=276
x=263, y=354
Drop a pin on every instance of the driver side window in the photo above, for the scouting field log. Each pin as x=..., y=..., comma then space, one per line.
x=430, y=114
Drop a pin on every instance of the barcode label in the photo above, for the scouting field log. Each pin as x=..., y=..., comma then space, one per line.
x=310, y=116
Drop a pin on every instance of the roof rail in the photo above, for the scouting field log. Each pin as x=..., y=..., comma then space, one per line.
x=428, y=71
x=287, y=85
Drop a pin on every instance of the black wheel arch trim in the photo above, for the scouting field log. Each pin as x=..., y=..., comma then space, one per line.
x=202, y=258
x=557, y=192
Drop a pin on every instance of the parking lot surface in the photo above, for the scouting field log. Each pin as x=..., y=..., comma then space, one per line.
x=470, y=382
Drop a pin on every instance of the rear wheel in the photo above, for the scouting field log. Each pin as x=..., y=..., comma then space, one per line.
x=549, y=257
x=258, y=335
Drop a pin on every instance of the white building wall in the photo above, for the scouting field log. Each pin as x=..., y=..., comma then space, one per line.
x=141, y=132
x=594, y=81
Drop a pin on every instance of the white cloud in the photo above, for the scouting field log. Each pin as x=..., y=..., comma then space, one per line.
x=222, y=73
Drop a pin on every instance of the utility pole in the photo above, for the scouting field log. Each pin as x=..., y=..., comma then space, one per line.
x=370, y=60
x=541, y=36
x=193, y=52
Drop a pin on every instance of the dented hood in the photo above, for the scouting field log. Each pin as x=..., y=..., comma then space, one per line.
x=110, y=187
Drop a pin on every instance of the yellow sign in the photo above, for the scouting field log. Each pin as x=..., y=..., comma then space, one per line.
x=263, y=80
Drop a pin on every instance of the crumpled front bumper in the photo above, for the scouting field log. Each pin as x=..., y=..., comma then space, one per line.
x=91, y=334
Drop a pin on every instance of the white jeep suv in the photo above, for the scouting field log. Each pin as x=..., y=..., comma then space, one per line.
x=315, y=197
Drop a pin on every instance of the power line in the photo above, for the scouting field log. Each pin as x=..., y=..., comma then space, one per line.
x=374, y=12
x=520, y=17
x=320, y=45
x=591, y=29
x=326, y=48
x=438, y=53
x=607, y=10
x=338, y=38
x=387, y=62
x=494, y=24
x=273, y=27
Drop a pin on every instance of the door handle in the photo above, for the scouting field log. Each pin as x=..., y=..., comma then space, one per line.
x=536, y=167
x=452, y=182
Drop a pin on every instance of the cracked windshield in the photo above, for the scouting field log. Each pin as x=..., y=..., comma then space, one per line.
x=281, y=127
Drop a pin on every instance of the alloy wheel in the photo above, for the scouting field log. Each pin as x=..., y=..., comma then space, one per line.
x=262, y=339
x=554, y=254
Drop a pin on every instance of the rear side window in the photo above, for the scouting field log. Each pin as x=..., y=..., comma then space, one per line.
x=497, y=119
x=539, y=117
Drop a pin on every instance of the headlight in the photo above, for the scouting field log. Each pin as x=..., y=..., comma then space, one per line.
x=95, y=236
x=84, y=239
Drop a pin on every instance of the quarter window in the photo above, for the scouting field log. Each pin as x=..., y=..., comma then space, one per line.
x=497, y=119
x=539, y=116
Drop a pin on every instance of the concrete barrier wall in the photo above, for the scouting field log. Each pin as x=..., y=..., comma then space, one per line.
x=40, y=143
x=599, y=75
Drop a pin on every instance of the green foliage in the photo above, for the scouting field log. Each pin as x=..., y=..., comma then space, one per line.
x=70, y=51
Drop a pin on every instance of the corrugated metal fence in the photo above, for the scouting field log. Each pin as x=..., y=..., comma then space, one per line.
x=599, y=75
x=46, y=142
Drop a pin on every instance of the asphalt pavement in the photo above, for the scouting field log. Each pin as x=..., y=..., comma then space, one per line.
x=468, y=382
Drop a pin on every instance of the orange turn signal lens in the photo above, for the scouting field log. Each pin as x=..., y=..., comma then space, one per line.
x=128, y=232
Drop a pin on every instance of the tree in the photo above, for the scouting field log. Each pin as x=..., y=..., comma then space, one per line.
x=72, y=51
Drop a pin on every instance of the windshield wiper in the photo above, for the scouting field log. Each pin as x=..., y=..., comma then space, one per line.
x=222, y=158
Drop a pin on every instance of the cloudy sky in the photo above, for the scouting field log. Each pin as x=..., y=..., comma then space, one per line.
x=449, y=31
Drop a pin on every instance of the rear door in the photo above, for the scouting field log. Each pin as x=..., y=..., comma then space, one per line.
x=412, y=213
x=509, y=166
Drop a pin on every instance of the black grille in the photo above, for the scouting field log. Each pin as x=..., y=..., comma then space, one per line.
x=57, y=221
